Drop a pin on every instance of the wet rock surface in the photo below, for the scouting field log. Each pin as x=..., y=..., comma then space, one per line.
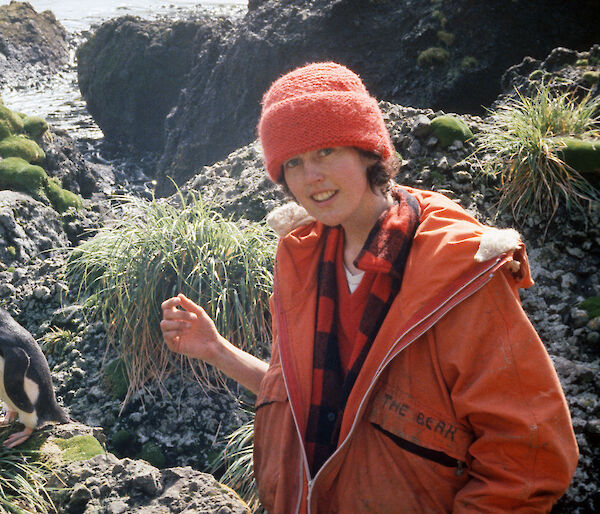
x=30, y=42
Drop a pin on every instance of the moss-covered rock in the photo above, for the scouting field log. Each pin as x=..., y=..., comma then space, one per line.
x=449, y=129
x=468, y=63
x=536, y=75
x=35, y=126
x=591, y=306
x=10, y=122
x=591, y=77
x=74, y=449
x=152, y=454
x=17, y=174
x=445, y=37
x=62, y=199
x=115, y=379
x=433, y=56
x=582, y=155
x=125, y=443
x=23, y=147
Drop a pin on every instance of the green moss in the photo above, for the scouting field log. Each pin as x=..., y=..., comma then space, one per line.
x=153, y=454
x=77, y=448
x=446, y=37
x=433, y=56
x=449, y=129
x=12, y=251
x=594, y=61
x=582, y=155
x=582, y=62
x=439, y=15
x=35, y=126
x=12, y=120
x=62, y=199
x=21, y=146
x=124, y=442
x=115, y=379
x=536, y=75
x=591, y=77
x=468, y=63
x=591, y=306
x=17, y=174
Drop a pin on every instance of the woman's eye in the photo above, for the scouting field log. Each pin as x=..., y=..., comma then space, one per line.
x=291, y=163
x=324, y=152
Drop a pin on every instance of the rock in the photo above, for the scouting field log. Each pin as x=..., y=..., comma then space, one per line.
x=422, y=126
x=28, y=227
x=131, y=72
x=30, y=43
x=65, y=162
x=135, y=486
x=136, y=75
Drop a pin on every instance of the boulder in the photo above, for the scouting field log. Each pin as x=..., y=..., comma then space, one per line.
x=29, y=42
x=132, y=70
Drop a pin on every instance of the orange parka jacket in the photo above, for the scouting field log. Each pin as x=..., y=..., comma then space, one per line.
x=457, y=407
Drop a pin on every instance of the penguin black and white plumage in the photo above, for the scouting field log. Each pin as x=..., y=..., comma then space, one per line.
x=25, y=381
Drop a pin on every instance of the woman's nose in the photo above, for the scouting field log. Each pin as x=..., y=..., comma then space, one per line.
x=312, y=171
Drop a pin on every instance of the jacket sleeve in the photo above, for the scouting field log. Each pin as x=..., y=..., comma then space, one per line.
x=503, y=385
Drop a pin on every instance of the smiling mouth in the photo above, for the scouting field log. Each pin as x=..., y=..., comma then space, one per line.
x=321, y=197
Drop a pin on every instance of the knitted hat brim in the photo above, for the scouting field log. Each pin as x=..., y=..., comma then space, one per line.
x=343, y=118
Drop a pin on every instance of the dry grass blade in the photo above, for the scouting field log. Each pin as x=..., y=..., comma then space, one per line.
x=154, y=250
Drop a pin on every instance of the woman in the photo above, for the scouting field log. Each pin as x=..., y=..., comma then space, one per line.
x=405, y=376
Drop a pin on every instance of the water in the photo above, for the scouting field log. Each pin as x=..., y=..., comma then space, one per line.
x=57, y=98
x=79, y=15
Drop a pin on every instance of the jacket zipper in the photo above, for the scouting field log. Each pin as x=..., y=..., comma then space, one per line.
x=451, y=302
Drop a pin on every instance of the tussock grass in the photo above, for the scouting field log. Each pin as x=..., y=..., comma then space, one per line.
x=23, y=478
x=153, y=250
x=522, y=143
x=236, y=457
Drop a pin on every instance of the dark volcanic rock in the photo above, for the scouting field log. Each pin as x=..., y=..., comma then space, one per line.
x=29, y=41
x=219, y=107
x=130, y=87
x=131, y=71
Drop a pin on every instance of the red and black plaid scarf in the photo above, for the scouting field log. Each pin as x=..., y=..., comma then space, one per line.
x=384, y=252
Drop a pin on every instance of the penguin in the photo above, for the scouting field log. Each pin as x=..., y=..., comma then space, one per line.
x=25, y=382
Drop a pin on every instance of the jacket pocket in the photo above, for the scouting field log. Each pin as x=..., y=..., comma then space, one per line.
x=272, y=388
x=419, y=429
x=426, y=453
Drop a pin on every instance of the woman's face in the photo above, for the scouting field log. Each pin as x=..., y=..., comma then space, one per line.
x=331, y=184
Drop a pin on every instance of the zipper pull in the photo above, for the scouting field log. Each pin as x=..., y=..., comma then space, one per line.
x=460, y=468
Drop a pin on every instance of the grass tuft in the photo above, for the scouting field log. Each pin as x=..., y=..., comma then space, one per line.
x=522, y=142
x=153, y=250
x=236, y=458
x=23, y=478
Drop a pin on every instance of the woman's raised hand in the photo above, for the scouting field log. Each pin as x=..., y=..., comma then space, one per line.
x=189, y=330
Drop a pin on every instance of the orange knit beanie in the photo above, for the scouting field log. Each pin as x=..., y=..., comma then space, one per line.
x=317, y=106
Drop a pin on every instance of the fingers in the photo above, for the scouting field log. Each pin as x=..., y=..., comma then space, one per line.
x=189, y=305
x=171, y=312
